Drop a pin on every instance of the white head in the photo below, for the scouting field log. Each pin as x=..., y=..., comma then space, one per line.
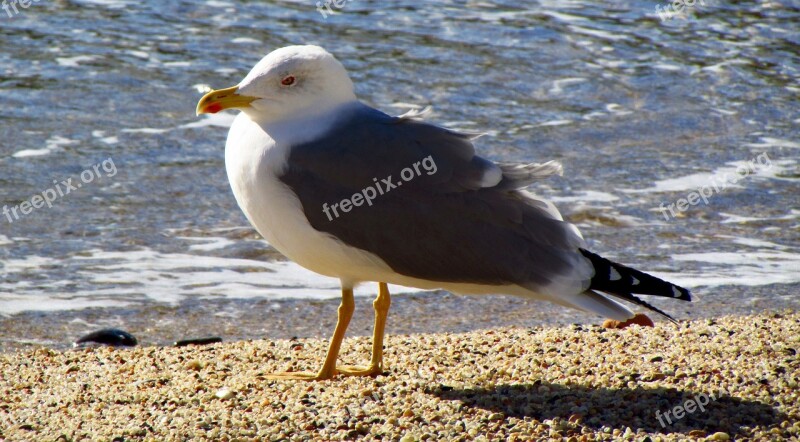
x=289, y=81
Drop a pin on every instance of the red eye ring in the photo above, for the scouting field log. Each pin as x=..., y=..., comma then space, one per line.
x=288, y=81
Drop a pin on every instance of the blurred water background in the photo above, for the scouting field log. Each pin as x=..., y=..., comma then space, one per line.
x=642, y=110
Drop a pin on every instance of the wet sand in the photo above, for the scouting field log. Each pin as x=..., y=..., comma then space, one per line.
x=428, y=312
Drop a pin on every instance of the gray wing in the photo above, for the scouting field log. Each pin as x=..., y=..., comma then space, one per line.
x=465, y=222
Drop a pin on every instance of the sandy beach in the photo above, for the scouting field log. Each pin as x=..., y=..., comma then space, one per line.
x=734, y=377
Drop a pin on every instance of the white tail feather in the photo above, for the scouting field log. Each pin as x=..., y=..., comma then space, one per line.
x=596, y=303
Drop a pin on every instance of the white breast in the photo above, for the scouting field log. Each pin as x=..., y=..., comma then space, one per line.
x=254, y=160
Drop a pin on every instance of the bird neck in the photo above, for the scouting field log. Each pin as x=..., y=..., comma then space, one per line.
x=305, y=126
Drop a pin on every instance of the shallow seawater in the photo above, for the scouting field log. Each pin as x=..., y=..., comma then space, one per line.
x=642, y=113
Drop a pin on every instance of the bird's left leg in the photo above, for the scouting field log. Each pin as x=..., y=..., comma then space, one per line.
x=328, y=369
x=381, y=306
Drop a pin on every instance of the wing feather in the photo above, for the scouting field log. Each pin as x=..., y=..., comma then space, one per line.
x=462, y=222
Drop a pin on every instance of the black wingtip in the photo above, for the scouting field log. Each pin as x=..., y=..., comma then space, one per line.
x=624, y=282
x=611, y=277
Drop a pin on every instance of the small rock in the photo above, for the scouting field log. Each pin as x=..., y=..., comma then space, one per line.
x=698, y=433
x=198, y=341
x=575, y=418
x=719, y=436
x=654, y=377
x=107, y=336
x=639, y=319
x=224, y=393
x=194, y=365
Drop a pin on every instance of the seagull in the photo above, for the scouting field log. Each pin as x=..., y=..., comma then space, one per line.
x=352, y=193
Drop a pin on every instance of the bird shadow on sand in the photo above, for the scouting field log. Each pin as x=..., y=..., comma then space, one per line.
x=618, y=407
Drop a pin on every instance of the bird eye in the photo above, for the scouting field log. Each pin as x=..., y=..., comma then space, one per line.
x=288, y=81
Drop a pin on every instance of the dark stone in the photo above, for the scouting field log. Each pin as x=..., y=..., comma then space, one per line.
x=108, y=336
x=198, y=341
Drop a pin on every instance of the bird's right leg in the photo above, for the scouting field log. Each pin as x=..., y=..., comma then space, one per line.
x=381, y=306
x=328, y=369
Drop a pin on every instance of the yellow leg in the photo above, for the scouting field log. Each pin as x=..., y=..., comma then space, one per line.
x=328, y=369
x=381, y=305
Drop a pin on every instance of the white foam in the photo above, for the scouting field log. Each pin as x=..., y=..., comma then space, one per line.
x=585, y=196
x=246, y=40
x=110, y=4
x=31, y=153
x=719, y=67
x=758, y=263
x=209, y=243
x=222, y=119
x=767, y=142
x=564, y=17
x=218, y=4
x=668, y=67
x=721, y=178
x=598, y=33
x=146, y=130
x=139, y=54
x=51, y=145
x=730, y=218
x=101, y=135
x=554, y=123
x=178, y=64
x=73, y=62
x=558, y=85
x=746, y=268
x=226, y=71
x=202, y=88
x=752, y=242
x=12, y=304
x=131, y=277
x=617, y=109
x=724, y=111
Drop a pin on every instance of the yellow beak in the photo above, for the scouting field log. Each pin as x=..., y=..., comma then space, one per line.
x=222, y=99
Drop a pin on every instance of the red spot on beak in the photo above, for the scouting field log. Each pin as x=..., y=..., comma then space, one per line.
x=214, y=108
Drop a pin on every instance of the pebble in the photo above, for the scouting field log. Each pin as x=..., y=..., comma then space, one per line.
x=198, y=341
x=224, y=393
x=107, y=336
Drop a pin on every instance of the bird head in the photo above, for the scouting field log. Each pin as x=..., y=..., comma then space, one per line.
x=289, y=81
